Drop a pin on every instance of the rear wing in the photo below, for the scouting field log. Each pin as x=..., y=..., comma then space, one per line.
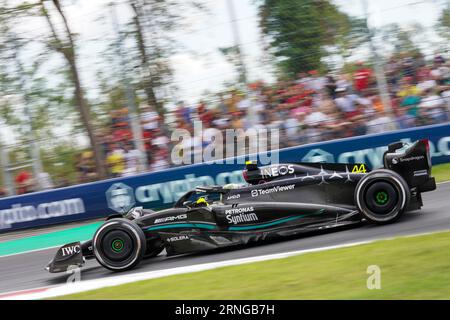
x=412, y=162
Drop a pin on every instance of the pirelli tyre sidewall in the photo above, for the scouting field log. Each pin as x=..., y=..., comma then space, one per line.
x=119, y=245
x=382, y=196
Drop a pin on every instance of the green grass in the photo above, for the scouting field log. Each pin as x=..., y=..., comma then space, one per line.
x=411, y=268
x=441, y=172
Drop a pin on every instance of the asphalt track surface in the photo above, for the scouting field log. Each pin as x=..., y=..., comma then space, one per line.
x=26, y=271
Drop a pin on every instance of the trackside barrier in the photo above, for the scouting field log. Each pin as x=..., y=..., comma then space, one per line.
x=161, y=189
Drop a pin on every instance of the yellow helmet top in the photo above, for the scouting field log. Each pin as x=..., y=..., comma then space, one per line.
x=202, y=201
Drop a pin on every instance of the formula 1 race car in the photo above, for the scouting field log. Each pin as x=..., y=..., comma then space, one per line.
x=279, y=200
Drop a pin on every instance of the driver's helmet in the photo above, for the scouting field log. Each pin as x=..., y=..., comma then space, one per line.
x=201, y=202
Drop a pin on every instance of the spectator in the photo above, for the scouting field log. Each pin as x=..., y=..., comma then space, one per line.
x=132, y=159
x=292, y=128
x=404, y=120
x=149, y=119
x=440, y=72
x=3, y=192
x=204, y=114
x=362, y=77
x=380, y=123
x=346, y=102
x=85, y=167
x=314, y=122
x=183, y=113
x=235, y=121
x=331, y=87
x=315, y=82
x=24, y=182
x=45, y=181
x=160, y=160
x=116, y=160
x=433, y=106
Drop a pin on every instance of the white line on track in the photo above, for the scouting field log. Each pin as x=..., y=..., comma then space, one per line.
x=88, y=285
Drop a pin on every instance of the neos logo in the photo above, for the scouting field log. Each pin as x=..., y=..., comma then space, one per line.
x=277, y=171
x=120, y=197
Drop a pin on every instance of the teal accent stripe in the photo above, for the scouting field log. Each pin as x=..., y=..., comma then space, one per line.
x=212, y=227
x=183, y=225
x=261, y=226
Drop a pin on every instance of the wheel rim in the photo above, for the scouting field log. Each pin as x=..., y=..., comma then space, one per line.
x=117, y=245
x=381, y=197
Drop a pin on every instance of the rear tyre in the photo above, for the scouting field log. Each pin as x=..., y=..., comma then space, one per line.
x=382, y=196
x=119, y=245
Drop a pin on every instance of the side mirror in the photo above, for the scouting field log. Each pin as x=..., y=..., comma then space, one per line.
x=395, y=146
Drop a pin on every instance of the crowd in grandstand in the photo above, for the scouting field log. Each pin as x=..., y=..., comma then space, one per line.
x=315, y=107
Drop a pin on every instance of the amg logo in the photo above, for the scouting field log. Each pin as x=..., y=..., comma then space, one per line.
x=173, y=218
x=242, y=218
x=277, y=171
x=179, y=238
x=234, y=197
x=68, y=251
x=239, y=210
x=276, y=189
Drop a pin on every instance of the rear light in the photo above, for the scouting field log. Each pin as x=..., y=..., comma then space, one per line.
x=245, y=175
x=427, y=144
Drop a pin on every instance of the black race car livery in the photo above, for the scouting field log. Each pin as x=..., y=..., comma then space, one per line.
x=279, y=200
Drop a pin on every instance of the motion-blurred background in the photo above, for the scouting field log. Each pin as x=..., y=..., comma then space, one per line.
x=91, y=90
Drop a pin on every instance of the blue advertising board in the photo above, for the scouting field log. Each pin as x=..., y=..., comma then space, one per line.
x=161, y=189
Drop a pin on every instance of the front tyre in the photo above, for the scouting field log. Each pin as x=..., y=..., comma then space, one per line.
x=382, y=196
x=119, y=245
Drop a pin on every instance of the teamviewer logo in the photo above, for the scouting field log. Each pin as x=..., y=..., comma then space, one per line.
x=120, y=197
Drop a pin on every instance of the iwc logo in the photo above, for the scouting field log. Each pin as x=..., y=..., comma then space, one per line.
x=120, y=197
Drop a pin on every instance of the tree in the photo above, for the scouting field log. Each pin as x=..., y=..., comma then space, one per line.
x=300, y=30
x=443, y=23
x=149, y=81
x=402, y=40
x=28, y=104
x=65, y=45
x=152, y=28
